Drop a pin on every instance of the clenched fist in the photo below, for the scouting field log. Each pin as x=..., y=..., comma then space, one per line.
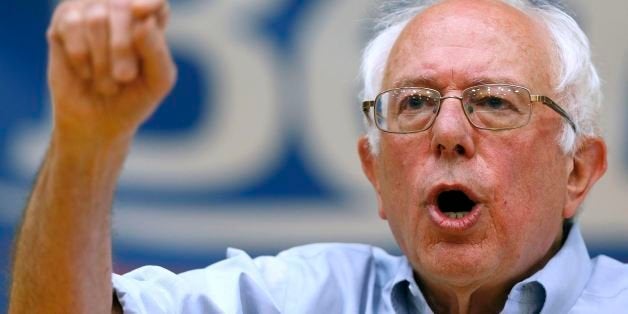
x=109, y=66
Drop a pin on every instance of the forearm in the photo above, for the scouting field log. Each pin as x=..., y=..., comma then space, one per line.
x=109, y=67
x=62, y=257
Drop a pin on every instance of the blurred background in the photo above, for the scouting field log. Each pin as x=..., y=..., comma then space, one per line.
x=255, y=147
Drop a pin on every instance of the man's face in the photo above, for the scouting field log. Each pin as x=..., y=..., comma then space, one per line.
x=515, y=180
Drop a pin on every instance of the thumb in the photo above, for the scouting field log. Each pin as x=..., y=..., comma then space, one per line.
x=59, y=68
x=156, y=61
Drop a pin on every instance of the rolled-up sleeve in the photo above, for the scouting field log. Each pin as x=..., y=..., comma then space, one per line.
x=237, y=284
x=317, y=278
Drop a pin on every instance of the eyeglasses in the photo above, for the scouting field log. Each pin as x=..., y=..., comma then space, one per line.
x=488, y=107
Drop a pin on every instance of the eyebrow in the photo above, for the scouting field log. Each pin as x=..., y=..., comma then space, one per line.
x=495, y=80
x=415, y=81
x=427, y=81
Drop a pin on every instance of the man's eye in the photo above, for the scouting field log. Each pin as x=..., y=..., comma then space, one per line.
x=414, y=103
x=493, y=103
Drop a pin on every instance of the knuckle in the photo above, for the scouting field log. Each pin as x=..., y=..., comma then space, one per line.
x=96, y=15
x=70, y=20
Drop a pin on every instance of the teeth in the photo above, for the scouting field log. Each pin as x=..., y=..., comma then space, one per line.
x=456, y=215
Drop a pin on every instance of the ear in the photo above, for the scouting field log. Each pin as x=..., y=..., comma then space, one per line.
x=369, y=166
x=589, y=164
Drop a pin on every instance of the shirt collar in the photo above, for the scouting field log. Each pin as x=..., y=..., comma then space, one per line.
x=557, y=286
x=404, y=292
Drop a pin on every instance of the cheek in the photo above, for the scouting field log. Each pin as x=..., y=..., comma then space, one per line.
x=529, y=195
x=541, y=175
x=401, y=162
x=530, y=165
x=399, y=168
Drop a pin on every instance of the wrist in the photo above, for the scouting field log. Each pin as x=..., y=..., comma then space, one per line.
x=91, y=139
x=81, y=150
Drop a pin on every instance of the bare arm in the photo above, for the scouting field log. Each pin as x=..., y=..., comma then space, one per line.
x=63, y=255
x=109, y=67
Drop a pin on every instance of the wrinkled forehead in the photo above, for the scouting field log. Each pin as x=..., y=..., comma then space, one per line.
x=487, y=39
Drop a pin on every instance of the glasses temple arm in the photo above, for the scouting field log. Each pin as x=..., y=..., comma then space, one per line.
x=366, y=107
x=550, y=103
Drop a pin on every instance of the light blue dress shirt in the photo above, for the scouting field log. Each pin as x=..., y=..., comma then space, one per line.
x=355, y=278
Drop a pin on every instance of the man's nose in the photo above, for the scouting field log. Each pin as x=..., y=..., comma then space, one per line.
x=451, y=131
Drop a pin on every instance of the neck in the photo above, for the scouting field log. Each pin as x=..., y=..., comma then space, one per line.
x=465, y=300
x=483, y=297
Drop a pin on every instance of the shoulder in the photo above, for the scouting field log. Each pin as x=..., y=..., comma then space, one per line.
x=336, y=277
x=324, y=275
x=341, y=255
x=608, y=278
x=607, y=288
x=327, y=255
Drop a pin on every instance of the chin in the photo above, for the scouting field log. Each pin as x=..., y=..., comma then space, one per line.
x=456, y=264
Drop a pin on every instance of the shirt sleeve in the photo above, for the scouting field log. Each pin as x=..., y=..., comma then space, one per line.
x=234, y=285
x=318, y=278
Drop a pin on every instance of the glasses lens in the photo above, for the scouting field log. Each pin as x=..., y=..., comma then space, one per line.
x=497, y=106
x=406, y=109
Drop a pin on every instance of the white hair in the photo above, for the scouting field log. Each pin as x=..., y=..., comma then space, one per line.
x=576, y=82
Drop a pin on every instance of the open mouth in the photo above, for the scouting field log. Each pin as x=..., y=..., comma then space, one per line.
x=454, y=204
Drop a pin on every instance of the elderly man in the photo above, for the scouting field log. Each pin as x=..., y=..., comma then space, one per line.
x=482, y=145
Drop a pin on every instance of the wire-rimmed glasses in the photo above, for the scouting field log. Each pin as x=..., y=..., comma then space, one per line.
x=489, y=107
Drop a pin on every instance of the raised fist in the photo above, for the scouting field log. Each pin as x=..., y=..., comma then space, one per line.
x=109, y=66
